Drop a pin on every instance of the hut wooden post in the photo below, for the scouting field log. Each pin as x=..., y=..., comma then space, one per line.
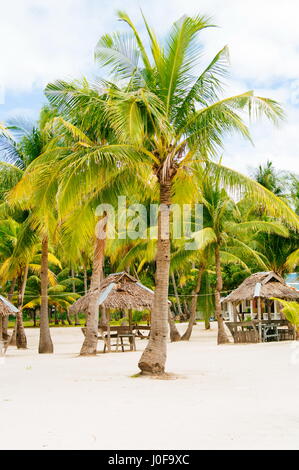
x=269, y=309
x=130, y=319
x=251, y=308
x=275, y=310
x=259, y=317
x=108, y=331
x=235, y=311
x=235, y=316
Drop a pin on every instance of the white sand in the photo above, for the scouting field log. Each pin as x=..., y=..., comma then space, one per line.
x=229, y=397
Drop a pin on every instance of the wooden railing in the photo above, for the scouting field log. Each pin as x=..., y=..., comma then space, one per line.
x=250, y=331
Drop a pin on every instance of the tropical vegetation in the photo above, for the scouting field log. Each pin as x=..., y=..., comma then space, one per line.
x=152, y=130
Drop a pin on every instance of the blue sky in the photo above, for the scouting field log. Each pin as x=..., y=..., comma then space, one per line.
x=45, y=40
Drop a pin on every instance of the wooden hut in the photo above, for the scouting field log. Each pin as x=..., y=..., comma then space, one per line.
x=253, y=315
x=6, y=309
x=118, y=291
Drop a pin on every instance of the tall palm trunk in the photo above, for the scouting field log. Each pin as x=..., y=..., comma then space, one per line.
x=45, y=341
x=153, y=358
x=89, y=346
x=186, y=336
x=5, y=319
x=85, y=281
x=176, y=294
x=207, y=323
x=174, y=333
x=77, y=321
x=21, y=340
x=222, y=336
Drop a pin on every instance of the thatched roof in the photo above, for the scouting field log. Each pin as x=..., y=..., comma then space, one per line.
x=119, y=290
x=6, y=307
x=265, y=285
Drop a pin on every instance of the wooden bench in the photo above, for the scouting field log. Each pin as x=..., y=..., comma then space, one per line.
x=116, y=332
x=248, y=332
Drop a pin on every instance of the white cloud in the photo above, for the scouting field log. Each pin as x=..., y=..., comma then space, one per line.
x=49, y=39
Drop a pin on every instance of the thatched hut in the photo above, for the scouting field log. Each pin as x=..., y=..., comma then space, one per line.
x=6, y=309
x=121, y=291
x=117, y=291
x=252, y=302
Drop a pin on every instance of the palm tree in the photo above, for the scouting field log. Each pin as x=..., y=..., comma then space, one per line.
x=281, y=254
x=85, y=178
x=59, y=295
x=20, y=145
x=18, y=246
x=226, y=232
x=165, y=118
x=270, y=178
x=42, y=216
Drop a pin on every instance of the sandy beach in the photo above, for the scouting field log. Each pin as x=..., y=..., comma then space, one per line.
x=225, y=397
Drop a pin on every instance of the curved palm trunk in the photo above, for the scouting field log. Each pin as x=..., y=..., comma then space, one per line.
x=77, y=321
x=186, y=336
x=176, y=295
x=21, y=340
x=153, y=358
x=207, y=324
x=85, y=281
x=222, y=336
x=45, y=341
x=68, y=318
x=89, y=346
x=174, y=334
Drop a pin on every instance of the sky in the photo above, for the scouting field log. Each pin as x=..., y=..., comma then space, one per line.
x=45, y=40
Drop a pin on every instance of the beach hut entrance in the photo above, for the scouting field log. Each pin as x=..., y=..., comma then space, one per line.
x=253, y=314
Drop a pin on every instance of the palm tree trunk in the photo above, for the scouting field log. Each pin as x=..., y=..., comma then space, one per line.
x=68, y=318
x=222, y=336
x=21, y=340
x=85, y=281
x=98, y=262
x=153, y=358
x=89, y=346
x=186, y=336
x=174, y=334
x=45, y=341
x=5, y=319
x=77, y=321
x=176, y=294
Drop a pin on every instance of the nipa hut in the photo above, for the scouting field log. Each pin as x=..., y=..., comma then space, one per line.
x=118, y=291
x=251, y=305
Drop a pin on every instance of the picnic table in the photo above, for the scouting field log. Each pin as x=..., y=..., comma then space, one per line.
x=119, y=333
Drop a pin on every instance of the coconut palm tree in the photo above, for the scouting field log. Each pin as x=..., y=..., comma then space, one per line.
x=60, y=296
x=226, y=231
x=85, y=179
x=42, y=214
x=270, y=178
x=20, y=145
x=164, y=117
